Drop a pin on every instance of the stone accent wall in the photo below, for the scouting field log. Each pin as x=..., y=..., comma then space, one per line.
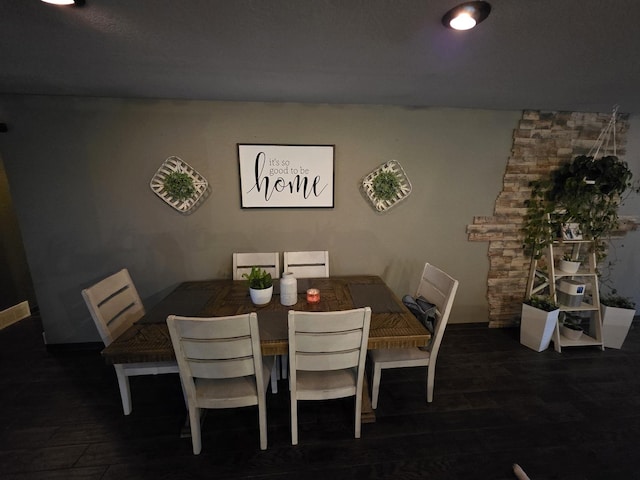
x=541, y=142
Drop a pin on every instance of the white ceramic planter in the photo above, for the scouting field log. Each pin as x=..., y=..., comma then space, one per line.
x=615, y=325
x=262, y=296
x=570, y=334
x=569, y=267
x=536, y=327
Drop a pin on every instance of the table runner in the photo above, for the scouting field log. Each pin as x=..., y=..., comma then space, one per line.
x=378, y=297
x=187, y=304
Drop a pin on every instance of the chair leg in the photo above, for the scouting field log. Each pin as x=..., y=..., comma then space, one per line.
x=431, y=376
x=375, y=385
x=125, y=391
x=184, y=394
x=194, y=420
x=274, y=375
x=284, y=359
x=262, y=420
x=358, y=419
x=294, y=421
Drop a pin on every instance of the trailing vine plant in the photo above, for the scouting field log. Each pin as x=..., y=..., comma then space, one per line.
x=586, y=191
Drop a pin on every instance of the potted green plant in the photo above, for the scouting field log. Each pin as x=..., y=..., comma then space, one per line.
x=260, y=286
x=568, y=264
x=617, y=316
x=538, y=321
x=571, y=326
x=590, y=191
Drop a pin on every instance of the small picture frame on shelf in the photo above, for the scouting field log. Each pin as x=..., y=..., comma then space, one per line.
x=571, y=231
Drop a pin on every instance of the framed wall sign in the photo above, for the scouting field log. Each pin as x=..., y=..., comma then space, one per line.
x=286, y=175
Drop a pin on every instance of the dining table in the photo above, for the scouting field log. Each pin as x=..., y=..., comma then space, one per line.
x=392, y=324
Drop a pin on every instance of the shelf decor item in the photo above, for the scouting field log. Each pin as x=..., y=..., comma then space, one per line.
x=179, y=185
x=538, y=321
x=386, y=186
x=571, y=332
x=568, y=266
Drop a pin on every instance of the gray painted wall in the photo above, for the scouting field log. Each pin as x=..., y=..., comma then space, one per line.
x=15, y=282
x=79, y=170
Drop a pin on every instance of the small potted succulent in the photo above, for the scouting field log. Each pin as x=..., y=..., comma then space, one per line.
x=260, y=286
x=617, y=316
x=538, y=322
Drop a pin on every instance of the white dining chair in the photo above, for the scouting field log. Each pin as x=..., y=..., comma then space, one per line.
x=115, y=305
x=327, y=353
x=312, y=264
x=439, y=289
x=309, y=264
x=221, y=366
x=243, y=262
x=270, y=263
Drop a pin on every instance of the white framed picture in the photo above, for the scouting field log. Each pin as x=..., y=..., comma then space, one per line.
x=571, y=231
x=286, y=175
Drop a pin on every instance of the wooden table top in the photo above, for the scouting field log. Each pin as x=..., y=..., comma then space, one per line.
x=392, y=324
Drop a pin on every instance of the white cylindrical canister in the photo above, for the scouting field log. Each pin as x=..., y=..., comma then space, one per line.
x=288, y=289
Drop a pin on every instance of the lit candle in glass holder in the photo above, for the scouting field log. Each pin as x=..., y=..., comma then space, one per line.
x=313, y=295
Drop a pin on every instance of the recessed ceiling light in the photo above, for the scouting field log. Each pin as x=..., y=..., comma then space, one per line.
x=77, y=3
x=466, y=15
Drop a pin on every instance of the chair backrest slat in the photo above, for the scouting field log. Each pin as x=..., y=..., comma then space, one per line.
x=329, y=342
x=312, y=264
x=114, y=305
x=243, y=262
x=223, y=329
x=308, y=322
x=237, y=367
x=328, y=361
x=195, y=349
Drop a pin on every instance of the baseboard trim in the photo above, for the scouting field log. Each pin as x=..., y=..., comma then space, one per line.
x=14, y=314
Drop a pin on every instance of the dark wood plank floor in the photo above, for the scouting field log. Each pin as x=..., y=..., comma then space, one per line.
x=574, y=415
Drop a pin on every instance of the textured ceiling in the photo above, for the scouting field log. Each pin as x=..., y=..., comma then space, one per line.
x=541, y=54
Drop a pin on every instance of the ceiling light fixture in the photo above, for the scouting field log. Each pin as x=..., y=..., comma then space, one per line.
x=77, y=3
x=466, y=15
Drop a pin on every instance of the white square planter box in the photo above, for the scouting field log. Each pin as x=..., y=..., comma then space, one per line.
x=404, y=189
x=536, y=327
x=200, y=184
x=615, y=325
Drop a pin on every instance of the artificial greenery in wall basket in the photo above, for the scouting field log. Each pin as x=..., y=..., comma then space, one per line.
x=386, y=186
x=179, y=185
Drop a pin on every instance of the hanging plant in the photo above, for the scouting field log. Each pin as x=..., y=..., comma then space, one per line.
x=386, y=185
x=179, y=185
x=586, y=191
